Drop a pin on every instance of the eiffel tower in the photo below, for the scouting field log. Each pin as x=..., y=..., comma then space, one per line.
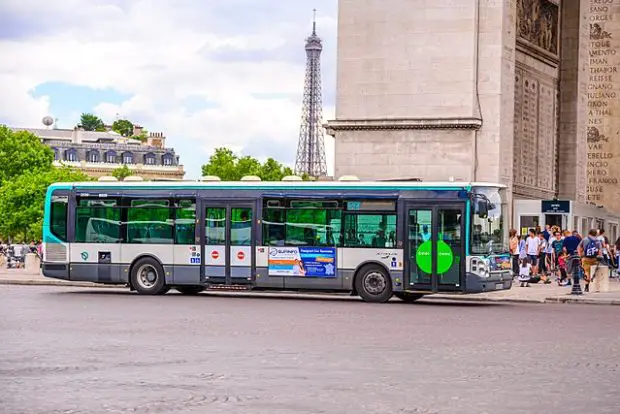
x=311, y=148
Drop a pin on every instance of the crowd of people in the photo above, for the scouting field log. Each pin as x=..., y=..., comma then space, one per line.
x=13, y=254
x=546, y=254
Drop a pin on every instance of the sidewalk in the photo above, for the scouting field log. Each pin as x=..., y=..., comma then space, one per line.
x=536, y=293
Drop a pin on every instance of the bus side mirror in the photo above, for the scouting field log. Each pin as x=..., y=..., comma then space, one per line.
x=483, y=209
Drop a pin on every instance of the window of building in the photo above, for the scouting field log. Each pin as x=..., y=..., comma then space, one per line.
x=56, y=154
x=93, y=156
x=185, y=221
x=110, y=157
x=71, y=155
x=149, y=159
x=150, y=221
x=58, y=217
x=167, y=159
x=98, y=221
x=127, y=158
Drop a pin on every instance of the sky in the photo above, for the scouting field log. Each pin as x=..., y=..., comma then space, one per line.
x=206, y=73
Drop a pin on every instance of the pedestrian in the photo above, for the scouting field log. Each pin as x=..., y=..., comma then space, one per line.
x=513, y=242
x=604, y=246
x=571, y=242
x=563, y=266
x=532, y=248
x=542, y=255
x=525, y=272
x=590, y=250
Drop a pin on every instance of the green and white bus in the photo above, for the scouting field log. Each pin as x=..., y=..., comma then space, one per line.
x=372, y=239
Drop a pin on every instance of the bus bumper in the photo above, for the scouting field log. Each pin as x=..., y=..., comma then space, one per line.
x=496, y=281
x=56, y=270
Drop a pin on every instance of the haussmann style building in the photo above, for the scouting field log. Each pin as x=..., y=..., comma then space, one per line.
x=99, y=153
x=521, y=92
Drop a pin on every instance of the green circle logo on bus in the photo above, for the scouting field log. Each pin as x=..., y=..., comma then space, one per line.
x=424, y=258
x=84, y=255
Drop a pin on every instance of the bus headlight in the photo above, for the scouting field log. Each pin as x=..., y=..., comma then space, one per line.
x=480, y=267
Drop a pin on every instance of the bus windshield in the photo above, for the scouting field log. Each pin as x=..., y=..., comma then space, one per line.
x=488, y=226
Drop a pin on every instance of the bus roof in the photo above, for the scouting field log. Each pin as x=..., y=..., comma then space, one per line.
x=297, y=185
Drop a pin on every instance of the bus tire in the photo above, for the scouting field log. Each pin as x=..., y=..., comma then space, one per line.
x=148, y=278
x=408, y=296
x=373, y=284
x=190, y=289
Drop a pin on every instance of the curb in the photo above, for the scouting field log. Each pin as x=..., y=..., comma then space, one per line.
x=54, y=283
x=551, y=300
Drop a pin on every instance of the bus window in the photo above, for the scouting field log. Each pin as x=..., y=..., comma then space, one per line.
x=149, y=221
x=370, y=230
x=97, y=221
x=241, y=227
x=215, y=226
x=58, y=219
x=273, y=226
x=185, y=222
x=305, y=227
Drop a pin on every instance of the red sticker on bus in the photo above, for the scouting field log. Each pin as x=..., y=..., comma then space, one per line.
x=215, y=254
x=240, y=256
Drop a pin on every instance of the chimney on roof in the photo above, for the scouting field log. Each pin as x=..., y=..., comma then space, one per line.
x=137, y=130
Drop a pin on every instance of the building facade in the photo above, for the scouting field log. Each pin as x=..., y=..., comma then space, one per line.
x=520, y=92
x=99, y=153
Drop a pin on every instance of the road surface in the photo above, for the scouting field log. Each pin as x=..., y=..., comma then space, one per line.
x=76, y=350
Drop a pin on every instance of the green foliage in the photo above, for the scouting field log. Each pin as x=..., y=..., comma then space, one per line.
x=229, y=167
x=123, y=127
x=91, y=122
x=21, y=200
x=121, y=173
x=22, y=151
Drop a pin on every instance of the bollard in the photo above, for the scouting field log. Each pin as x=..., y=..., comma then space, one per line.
x=576, y=265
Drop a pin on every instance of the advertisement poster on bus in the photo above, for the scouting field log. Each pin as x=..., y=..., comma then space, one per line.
x=302, y=261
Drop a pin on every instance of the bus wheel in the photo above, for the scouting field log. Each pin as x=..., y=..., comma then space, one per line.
x=147, y=277
x=190, y=290
x=373, y=284
x=408, y=296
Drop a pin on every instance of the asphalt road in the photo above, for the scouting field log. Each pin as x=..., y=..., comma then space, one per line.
x=72, y=350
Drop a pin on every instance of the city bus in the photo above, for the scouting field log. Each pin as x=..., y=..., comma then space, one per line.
x=373, y=239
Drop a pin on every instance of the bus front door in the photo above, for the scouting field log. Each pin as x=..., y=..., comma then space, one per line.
x=228, y=243
x=434, y=238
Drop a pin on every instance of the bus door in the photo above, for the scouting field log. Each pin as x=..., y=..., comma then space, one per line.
x=228, y=240
x=435, y=247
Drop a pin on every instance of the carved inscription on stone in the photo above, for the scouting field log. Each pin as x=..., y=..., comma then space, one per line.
x=537, y=24
x=603, y=132
x=535, y=130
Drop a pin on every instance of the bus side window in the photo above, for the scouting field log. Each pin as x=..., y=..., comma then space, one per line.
x=370, y=230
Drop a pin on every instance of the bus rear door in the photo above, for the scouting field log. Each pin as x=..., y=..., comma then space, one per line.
x=228, y=240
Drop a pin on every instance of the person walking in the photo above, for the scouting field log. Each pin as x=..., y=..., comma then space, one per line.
x=590, y=250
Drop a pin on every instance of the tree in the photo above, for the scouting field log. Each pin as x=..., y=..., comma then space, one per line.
x=121, y=173
x=123, y=127
x=21, y=200
x=91, y=122
x=229, y=167
x=22, y=151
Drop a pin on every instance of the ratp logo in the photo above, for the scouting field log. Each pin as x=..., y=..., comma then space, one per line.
x=84, y=255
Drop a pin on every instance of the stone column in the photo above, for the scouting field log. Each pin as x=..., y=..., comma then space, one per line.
x=574, y=78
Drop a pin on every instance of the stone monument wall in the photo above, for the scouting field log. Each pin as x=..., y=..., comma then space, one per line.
x=536, y=99
x=603, y=134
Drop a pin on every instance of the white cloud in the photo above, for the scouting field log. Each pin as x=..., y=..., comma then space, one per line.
x=162, y=52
